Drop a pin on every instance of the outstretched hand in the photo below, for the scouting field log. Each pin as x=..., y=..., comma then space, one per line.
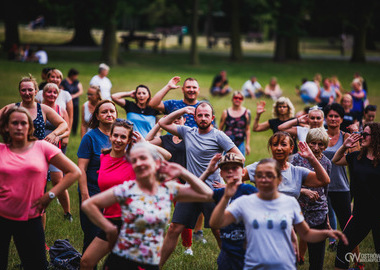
x=172, y=84
x=305, y=151
x=352, y=140
x=260, y=107
x=171, y=169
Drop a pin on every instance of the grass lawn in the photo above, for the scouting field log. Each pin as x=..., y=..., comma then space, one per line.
x=154, y=70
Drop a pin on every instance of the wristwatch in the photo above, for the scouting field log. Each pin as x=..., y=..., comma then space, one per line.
x=51, y=195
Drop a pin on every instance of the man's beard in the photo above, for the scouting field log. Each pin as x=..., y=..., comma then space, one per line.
x=204, y=127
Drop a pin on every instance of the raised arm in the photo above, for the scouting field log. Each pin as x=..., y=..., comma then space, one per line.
x=156, y=101
x=318, y=178
x=220, y=216
x=291, y=125
x=248, y=133
x=118, y=98
x=260, y=109
x=137, y=137
x=350, y=142
x=196, y=191
x=167, y=122
x=151, y=136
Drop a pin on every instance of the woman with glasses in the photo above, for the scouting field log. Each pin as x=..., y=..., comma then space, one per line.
x=365, y=174
x=139, y=112
x=235, y=122
x=313, y=201
x=94, y=95
x=268, y=217
x=89, y=160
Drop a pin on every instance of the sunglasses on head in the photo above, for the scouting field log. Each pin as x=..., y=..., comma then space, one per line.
x=124, y=121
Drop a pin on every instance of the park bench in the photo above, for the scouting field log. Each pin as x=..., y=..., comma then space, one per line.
x=141, y=41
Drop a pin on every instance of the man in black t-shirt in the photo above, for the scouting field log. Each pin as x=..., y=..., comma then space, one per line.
x=220, y=85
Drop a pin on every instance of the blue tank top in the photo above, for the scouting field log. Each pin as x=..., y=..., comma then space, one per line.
x=38, y=123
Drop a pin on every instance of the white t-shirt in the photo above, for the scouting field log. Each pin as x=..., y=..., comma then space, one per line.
x=42, y=57
x=292, y=178
x=302, y=133
x=63, y=98
x=268, y=226
x=105, y=86
x=310, y=88
x=249, y=86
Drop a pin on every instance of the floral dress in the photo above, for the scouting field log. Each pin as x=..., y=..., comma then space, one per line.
x=144, y=221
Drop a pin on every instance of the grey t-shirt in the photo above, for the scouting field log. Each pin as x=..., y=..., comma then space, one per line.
x=292, y=179
x=268, y=226
x=200, y=148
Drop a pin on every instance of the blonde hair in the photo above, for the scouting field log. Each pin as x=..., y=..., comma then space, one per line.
x=318, y=134
x=283, y=100
x=51, y=85
x=348, y=96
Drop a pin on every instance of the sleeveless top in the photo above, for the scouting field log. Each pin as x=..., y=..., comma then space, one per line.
x=86, y=112
x=38, y=123
x=338, y=176
x=235, y=127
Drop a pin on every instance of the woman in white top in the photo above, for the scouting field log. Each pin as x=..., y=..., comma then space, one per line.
x=268, y=218
x=94, y=95
x=300, y=126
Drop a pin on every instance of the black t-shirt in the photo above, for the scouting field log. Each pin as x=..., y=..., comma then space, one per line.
x=178, y=150
x=217, y=79
x=348, y=119
x=364, y=185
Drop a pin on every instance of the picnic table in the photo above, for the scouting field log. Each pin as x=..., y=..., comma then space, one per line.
x=141, y=41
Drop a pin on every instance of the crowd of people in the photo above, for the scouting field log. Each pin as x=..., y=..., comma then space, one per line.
x=131, y=172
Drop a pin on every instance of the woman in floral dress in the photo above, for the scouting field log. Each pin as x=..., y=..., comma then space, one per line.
x=146, y=206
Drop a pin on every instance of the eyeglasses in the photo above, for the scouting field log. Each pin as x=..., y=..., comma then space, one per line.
x=268, y=176
x=238, y=98
x=365, y=134
x=124, y=121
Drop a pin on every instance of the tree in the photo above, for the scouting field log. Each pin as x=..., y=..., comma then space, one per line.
x=194, y=57
x=110, y=48
x=236, y=50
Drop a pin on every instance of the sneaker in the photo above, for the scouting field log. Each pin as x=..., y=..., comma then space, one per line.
x=301, y=261
x=359, y=266
x=68, y=217
x=189, y=252
x=332, y=246
x=47, y=247
x=198, y=237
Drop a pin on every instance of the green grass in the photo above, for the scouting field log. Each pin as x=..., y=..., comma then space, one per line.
x=155, y=71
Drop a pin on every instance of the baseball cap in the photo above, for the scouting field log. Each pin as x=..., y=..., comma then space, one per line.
x=104, y=66
x=231, y=158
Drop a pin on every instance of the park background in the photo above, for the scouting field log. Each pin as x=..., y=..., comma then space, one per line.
x=317, y=29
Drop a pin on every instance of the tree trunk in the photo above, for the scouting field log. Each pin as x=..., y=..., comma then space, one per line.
x=110, y=46
x=82, y=25
x=280, y=48
x=11, y=27
x=292, y=48
x=236, y=51
x=194, y=57
x=358, y=48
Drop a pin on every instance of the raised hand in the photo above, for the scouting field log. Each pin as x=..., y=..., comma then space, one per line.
x=231, y=187
x=171, y=169
x=217, y=184
x=352, y=140
x=172, y=84
x=189, y=110
x=305, y=151
x=213, y=165
x=303, y=119
x=260, y=107
x=137, y=137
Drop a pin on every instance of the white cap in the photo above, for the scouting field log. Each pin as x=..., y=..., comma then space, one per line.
x=104, y=66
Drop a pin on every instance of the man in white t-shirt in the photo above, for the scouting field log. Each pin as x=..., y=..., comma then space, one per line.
x=252, y=88
x=102, y=81
x=41, y=56
x=308, y=91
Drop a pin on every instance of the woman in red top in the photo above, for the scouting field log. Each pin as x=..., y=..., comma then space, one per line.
x=24, y=164
x=114, y=170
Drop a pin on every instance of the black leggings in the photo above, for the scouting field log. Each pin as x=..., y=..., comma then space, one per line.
x=317, y=250
x=356, y=230
x=29, y=238
x=341, y=203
